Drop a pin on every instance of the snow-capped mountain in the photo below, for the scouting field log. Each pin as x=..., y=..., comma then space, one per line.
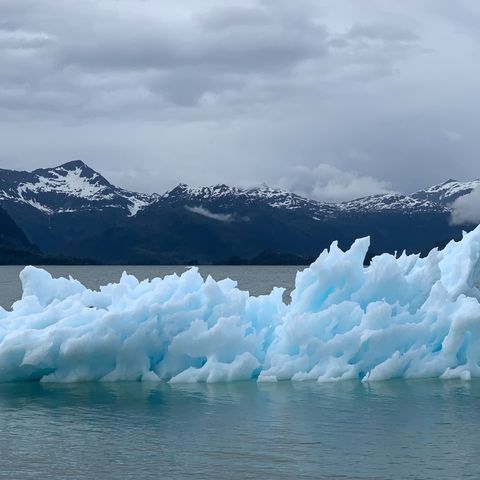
x=276, y=198
x=392, y=202
x=74, y=186
x=447, y=192
x=223, y=198
x=435, y=199
x=70, y=187
x=73, y=210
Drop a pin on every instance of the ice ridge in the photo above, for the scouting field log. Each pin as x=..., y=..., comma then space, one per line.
x=399, y=317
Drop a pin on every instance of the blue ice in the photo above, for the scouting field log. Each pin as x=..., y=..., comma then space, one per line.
x=406, y=317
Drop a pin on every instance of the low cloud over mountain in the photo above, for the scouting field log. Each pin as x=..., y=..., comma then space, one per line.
x=466, y=209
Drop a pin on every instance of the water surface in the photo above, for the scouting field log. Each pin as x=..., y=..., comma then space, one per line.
x=398, y=429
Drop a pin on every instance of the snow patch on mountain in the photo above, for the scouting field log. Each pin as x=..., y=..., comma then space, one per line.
x=39, y=206
x=137, y=204
x=68, y=182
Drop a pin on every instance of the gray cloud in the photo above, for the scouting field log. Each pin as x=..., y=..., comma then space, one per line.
x=234, y=16
x=90, y=50
x=466, y=209
x=153, y=93
x=330, y=184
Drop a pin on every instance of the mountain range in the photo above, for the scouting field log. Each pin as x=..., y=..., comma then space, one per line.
x=74, y=212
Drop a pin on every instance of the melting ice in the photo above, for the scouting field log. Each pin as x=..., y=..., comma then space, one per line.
x=399, y=317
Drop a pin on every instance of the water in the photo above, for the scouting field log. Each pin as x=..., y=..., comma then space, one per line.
x=425, y=429
x=387, y=430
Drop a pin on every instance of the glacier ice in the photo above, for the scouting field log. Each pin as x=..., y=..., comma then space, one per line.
x=402, y=316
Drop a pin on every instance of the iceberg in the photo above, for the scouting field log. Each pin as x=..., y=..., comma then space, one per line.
x=402, y=316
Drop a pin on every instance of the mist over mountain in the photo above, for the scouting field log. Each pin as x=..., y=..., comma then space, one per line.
x=72, y=210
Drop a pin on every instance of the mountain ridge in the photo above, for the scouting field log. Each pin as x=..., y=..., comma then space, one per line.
x=73, y=210
x=76, y=180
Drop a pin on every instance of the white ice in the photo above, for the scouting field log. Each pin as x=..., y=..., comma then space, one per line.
x=407, y=317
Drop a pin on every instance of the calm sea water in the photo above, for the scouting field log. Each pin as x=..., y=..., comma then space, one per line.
x=387, y=430
x=425, y=429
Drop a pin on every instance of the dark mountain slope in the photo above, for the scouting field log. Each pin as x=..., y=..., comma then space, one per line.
x=11, y=235
x=74, y=211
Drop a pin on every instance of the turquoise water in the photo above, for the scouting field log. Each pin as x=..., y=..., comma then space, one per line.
x=397, y=429
x=425, y=429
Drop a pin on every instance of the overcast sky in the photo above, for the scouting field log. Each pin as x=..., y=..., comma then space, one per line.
x=333, y=99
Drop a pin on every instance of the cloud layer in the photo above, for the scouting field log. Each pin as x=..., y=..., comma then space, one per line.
x=466, y=209
x=330, y=184
x=300, y=93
